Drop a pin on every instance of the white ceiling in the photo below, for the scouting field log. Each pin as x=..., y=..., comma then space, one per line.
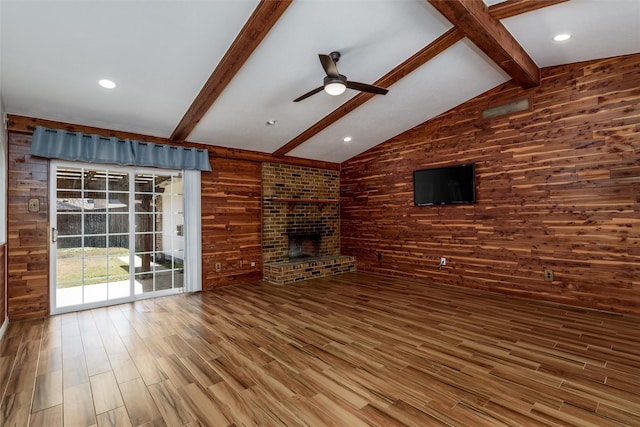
x=160, y=54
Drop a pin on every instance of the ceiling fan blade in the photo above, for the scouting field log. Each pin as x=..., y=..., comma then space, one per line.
x=363, y=87
x=329, y=65
x=308, y=94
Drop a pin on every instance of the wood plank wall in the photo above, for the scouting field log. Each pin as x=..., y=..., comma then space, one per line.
x=3, y=283
x=231, y=227
x=231, y=222
x=27, y=233
x=557, y=187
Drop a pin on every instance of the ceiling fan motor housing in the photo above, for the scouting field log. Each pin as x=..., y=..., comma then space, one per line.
x=340, y=79
x=335, y=85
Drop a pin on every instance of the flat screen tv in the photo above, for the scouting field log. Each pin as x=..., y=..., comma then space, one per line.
x=443, y=186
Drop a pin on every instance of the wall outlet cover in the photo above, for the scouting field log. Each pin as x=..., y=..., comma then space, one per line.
x=34, y=205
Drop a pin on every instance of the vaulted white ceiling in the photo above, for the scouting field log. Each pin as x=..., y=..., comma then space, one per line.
x=161, y=53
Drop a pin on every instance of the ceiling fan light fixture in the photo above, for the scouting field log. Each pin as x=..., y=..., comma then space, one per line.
x=335, y=88
x=336, y=83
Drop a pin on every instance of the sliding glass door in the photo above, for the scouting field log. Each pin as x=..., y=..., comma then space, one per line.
x=159, y=232
x=117, y=234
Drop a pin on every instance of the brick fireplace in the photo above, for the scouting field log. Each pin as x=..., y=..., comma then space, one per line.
x=301, y=223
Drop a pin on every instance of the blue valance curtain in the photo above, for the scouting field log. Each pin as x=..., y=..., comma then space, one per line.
x=60, y=144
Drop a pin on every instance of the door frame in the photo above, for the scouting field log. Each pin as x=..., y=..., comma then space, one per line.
x=53, y=222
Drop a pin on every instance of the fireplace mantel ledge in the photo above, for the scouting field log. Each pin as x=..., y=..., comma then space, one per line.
x=292, y=201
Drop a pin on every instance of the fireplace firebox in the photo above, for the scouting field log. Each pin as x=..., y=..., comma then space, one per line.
x=303, y=246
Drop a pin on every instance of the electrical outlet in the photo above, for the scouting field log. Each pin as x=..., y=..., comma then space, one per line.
x=34, y=205
x=253, y=263
x=548, y=275
x=218, y=266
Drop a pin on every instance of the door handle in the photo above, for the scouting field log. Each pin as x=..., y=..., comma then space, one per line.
x=54, y=234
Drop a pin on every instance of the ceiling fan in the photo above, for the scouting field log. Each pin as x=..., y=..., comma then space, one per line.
x=336, y=83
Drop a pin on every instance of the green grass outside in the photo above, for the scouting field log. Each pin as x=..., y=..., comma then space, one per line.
x=69, y=266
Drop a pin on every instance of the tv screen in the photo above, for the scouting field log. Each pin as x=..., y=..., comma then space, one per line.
x=442, y=186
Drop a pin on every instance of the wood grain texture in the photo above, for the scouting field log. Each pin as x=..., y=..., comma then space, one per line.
x=27, y=233
x=51, y=417
x=446, y=40
x=263, y=18
x=557, y=187
x=231, y=228
x=78, y=406
x=231, y=222
x=424, y=55
x=3, y=283
x=358, y=349
x=511, y=8
x=488, y=33
x=19, y=355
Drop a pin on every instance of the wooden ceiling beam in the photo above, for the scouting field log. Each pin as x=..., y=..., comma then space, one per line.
x=425, y=54
x=510, y=8
x=486, y=32
x=254, y=31
x=502, y=10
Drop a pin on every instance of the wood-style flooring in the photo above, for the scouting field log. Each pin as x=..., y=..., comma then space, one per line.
x=350, y=350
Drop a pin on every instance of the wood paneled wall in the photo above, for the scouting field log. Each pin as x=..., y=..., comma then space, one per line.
x=27, y=233
x=231, y=222
x=231, y=227
x=3, y=283
x=558, y=187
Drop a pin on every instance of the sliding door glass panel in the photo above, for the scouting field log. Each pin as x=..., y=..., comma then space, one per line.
x=120, y=233
x=91, y=215
x=68, y=206
x=159, y=232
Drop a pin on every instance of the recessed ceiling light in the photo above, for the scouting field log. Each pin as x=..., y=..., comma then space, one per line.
x=270, y=122
x=561, y=37
x=107, y=84
x=347, y=139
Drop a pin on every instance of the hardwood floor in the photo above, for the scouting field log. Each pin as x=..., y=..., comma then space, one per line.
x=349, y=350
